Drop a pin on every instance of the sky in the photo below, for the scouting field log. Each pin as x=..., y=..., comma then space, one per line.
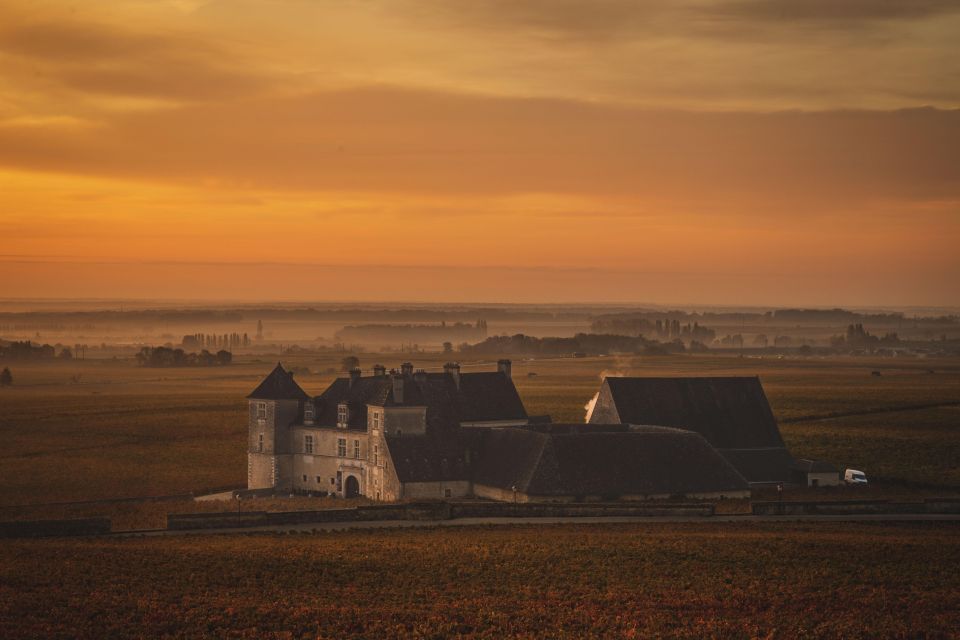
x=731, y=152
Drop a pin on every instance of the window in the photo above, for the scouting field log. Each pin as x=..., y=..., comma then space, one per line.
x=261, y=410
x=343, y=415
x=376, y=455
x=356, y=449
x=318, y=479
x=260, y=443
x=308, y=412
x=446, y=493
x=304, y=477
x=342, y=447
x=333, y=481
x=376, y=420
x=308, y=444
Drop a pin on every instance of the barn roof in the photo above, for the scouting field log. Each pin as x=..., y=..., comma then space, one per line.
x=604, y=460
x=279, y=385
x=730, y=412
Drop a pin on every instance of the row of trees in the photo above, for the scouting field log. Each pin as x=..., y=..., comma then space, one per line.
x=580, y=344
x=167, y=357
x=215, y=341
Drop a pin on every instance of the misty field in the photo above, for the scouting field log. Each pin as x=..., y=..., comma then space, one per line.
x=638, y=580
x=90, y=430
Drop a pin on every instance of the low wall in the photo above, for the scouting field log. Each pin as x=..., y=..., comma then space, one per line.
x=429, y=511
x=853, y=507
x=574, y=510
x=44, y=528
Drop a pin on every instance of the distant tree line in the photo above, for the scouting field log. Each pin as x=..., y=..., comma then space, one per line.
x=580, y=344
x=167, y=357
x=215, y=341
x=661, y=328
x=26, y=350
x=859, y=337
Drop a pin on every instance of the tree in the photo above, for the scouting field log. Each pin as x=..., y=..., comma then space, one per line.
x=6, y=378
x=349, y=363
x=448, y=347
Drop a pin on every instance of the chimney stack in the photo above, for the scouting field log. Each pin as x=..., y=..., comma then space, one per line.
x=453, y=369
x=379, y=370
x=398, y=388
x=420, y=376
x=505, y=367
x=354, y=375
x=406, y=368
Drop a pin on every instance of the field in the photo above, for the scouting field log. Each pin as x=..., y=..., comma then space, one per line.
x=689, y=580
x=102, y=429
x=94, y=430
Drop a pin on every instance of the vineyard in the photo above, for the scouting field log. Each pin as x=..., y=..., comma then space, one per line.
x=670, y=580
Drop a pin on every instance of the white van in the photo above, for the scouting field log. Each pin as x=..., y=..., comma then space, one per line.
x=852, y=476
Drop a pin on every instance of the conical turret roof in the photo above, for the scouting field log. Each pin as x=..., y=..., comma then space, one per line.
x=279, y=385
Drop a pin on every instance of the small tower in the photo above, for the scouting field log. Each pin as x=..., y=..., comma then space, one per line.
x=274, y=405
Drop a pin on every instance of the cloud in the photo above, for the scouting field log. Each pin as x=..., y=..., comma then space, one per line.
x=593, y=22
x=392, y=140
x=95, y=58
x=844, y=12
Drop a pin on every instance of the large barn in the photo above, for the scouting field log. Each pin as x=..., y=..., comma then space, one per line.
x=731, y=413
x=413, y=434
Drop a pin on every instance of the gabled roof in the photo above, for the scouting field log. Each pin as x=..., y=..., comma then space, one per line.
x=484, y=396
x=603, y=460
x=488, y=395
x=279, y=385
x=731, y=412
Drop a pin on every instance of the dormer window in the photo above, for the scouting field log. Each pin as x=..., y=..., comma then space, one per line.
x=376, y=420
x=343, y=415
x=261, y=411
x=308, y=412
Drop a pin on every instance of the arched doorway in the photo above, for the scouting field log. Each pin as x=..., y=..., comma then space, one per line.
x=352, y=487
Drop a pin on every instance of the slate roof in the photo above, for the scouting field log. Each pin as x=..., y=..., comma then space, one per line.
x=602, y=460
x=428, y=459
x=279, y=385
x=482, y=396
x=730, y=412
x=761, y=465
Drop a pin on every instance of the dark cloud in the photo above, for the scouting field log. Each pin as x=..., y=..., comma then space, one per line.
x=596, y=21
x=99, y=59
x=833, y=11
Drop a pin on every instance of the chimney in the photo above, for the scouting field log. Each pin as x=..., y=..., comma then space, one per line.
x=406, y=368
x=505, y=367
x=354, y=375
x=379, y=370
x=420, y=376
x=398, y=389
x=453, y=369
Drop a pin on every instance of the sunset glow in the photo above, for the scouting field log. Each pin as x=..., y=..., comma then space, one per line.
x=717, y=152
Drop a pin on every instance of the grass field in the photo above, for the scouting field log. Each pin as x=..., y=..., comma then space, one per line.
x=684, y=580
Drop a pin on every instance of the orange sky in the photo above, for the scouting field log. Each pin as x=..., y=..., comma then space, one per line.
x=738, y=152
